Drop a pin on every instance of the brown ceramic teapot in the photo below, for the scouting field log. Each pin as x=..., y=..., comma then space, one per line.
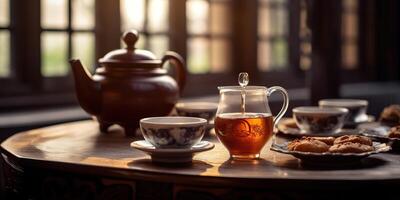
x=130, y=84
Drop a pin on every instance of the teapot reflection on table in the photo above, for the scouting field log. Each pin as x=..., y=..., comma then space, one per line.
x=130, y=84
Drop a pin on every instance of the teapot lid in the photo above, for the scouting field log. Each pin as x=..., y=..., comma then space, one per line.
x=130, y=54
x=240, y=89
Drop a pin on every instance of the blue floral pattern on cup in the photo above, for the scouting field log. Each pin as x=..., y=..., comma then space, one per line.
x=174, y=137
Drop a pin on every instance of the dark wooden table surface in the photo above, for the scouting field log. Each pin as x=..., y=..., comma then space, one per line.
x=77, y=151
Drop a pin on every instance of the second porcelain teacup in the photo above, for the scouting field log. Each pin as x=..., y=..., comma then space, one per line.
x=357, y=108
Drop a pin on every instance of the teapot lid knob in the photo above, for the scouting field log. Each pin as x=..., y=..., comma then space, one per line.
x=130, y=38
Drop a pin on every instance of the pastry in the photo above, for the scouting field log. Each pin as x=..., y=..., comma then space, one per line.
x=394, y=132
x=292, y=144
x=326, y=140
x=342, y=144
x=305, y=145
x=350, y=147
x=391, y=115
x=291, y=124
x=353, y=139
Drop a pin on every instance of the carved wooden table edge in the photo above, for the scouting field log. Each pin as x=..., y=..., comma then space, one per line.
x=134, y=174
x=22, y=162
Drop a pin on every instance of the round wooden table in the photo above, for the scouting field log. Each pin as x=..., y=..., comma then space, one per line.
x=75, y=159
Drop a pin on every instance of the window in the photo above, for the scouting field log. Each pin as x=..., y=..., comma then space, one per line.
x=5, y=47
x=305, y=39
x=67, y=31
x=349, y=34
x=217, y=38
x=150, y=18
x=273, y=35
x=208, y=36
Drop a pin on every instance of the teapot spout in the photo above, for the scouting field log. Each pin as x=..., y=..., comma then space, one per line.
x=87, y=90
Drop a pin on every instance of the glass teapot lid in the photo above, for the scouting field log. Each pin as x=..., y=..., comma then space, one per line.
x=129, y=55
x=241, y=89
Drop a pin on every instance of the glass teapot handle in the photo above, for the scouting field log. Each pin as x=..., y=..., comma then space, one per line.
x=285, y=101
x=178, y=62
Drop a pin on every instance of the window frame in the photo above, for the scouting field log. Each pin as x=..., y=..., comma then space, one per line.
x=294, y=77
x=19, y=83
x=11, y=78
x=244, y=55
x=63, y=83
x=28, y=84
x=146, y=32
x=27, y=88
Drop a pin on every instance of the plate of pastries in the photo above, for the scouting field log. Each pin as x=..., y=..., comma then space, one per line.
x=387, y=129
x=345, y=148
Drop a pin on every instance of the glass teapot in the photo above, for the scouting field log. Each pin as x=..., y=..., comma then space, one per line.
x=244, y=122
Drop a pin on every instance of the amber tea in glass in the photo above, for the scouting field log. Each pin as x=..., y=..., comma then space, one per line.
x=244, y=134
x=244, y=122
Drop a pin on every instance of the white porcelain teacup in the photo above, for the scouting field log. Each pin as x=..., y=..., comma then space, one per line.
x=173, y=132
x=357, y=108
x=317, y=120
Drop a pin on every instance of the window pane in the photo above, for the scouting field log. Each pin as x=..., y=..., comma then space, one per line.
x=221, y=18
x=159, y=45
x=220, y=55
x=350, y=4
x=83, y=14
x=132, y=14
x=197, y=12
x=274, y=1
x=304, y=30
x=83, y=48
x=4, y=14
x=349, y=55
x=305, y=63
x=279, y=54
x=158, y=15
x=54, y=54
x=272, y=55
x=305, y=48
x=349, y=24
x=264, y=24
x=198, y=56
x=349, y=34
x=54, y=13
x=272, y=21
x=4, y=53
x=141, y=43
x=264, y=56
x=280, y=19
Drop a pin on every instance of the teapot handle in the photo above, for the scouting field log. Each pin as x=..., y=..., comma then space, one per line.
x=285, y=101
x=178, y=62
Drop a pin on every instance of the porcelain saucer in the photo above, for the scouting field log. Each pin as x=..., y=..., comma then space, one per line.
x=367, y=119
x=380, y=132
x=172, y=155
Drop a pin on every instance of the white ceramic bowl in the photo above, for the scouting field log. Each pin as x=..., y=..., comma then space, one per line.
x=173, y=132
x=204, y=110
x=317, y=120
x=357, y=108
